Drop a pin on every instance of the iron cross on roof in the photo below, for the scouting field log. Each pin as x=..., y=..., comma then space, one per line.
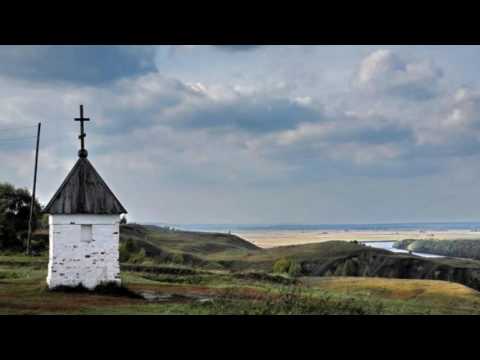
x=83, y=153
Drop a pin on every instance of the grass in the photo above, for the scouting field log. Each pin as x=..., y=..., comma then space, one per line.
x=181, y=247
x=207, y=273
x=212, y=251
x=403, y=295
x=23, y=291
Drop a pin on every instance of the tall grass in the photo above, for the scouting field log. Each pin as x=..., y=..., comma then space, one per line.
x=292, y=300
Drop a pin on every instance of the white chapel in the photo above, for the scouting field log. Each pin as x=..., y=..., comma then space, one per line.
x=84, y=222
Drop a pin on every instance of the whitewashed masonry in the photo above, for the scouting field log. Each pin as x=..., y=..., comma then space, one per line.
x=83, y=250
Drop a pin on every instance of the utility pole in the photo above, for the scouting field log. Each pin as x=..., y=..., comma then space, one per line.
x=29, y=238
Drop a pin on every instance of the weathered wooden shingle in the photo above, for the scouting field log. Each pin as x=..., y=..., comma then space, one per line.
x=84, y=192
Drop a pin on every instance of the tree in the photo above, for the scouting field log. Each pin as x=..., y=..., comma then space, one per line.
x=14, y=214
x=123, y=220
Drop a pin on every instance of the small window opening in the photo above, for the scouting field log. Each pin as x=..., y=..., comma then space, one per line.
x=86, y=231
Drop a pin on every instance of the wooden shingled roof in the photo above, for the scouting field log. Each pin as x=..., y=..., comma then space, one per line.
x=84, y=192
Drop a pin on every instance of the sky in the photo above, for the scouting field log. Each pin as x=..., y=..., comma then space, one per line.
x=252, y=134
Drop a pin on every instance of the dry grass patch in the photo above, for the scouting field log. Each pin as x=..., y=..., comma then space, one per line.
x=440, y=294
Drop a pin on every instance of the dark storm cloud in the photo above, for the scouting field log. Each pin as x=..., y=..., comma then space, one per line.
x=77, y=64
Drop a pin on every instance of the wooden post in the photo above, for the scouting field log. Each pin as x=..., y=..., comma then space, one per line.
x=29, y=237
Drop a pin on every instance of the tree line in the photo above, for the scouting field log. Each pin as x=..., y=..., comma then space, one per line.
x=14, y=215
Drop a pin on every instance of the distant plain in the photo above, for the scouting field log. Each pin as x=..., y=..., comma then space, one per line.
x=273, y=238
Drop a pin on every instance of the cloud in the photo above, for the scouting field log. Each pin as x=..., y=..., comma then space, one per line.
x=237, y=48
x=75, y=64
x=465, y=112
x=453, y=128
x=212, y=134
x=246, y=113
x=168, y=143
x=385, y=72
x=339, y=145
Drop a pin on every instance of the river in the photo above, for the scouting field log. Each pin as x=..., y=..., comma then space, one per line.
x=388, y=245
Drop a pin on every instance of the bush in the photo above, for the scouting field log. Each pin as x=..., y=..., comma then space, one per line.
x=127, y=250
x=178, y=258
x=124, y=255
x=39, y=243
x=212, y=265
x=286, y=266
x=130, y=245
x=295, y=269
x=139, y=257
x=281, y=266
x=9, y=275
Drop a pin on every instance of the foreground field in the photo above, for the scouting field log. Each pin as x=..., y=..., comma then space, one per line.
x=166, y=271
x=23, y=291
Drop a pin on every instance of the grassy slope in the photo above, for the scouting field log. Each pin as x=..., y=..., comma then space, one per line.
x=163, y=244
x=22, y=282
x=404, y=295
x=231, y=251
x=265, y=258
x=22, y=291
x=185, y=241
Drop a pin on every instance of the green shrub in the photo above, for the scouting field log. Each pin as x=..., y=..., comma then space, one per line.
x=139, y=257
x=295, y=268
x=123, y=253
x=127, y=250
x=39, y=243
x=212, y=265
x=130, y=245
x=178, y=258
x=287, y=266
x=9, y=275
x=281, y=266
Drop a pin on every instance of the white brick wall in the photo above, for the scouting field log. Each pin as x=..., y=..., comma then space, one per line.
x=89, y=262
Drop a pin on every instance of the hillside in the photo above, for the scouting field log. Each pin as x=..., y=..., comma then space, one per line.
x=186, y=247
x=334, y=258
x=181, y=272
x=462, y=248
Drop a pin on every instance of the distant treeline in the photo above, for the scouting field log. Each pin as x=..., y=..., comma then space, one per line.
x=469, y=249
x=14, y=215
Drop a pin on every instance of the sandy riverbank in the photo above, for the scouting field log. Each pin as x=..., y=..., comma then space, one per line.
x=267, y=239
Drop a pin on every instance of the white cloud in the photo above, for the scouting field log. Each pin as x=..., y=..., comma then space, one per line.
x=159, y=138
x=385, y=72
